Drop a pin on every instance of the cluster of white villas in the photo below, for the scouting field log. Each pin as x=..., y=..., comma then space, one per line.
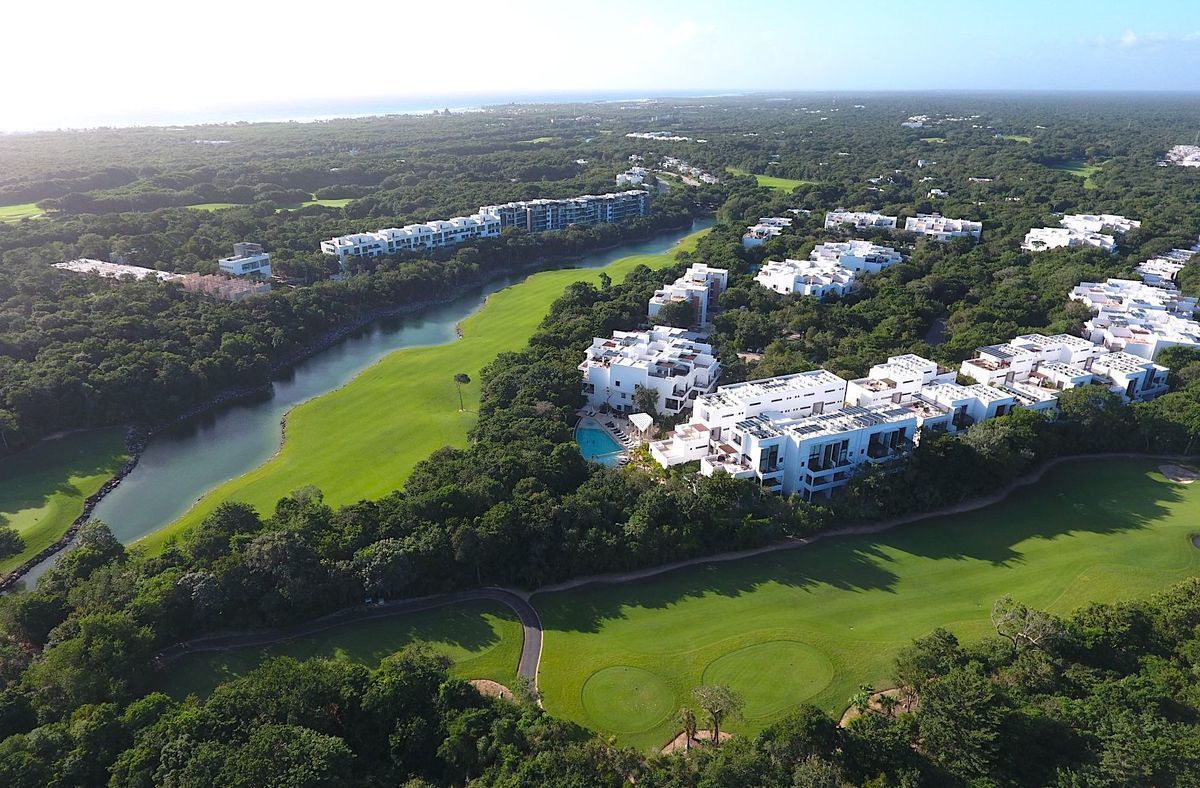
x=634, y=176
x=700, y=285
x=1162, y=269
x=1183, y=156
x=1138, y=318
x=768, y=227
x=683, y=168
x=669, y=361
x=862, y=220
x=831, y=268
x=807, y=434
x=1083, y=229
x=932, y=225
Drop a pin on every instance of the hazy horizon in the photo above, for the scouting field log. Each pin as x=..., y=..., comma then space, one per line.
x=135, y=62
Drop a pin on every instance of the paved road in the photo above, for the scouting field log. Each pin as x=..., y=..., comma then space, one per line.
x=531, y=647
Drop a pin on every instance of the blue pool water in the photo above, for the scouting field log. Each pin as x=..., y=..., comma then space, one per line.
x=596, y=444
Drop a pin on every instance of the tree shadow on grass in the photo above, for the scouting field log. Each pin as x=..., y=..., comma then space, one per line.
x=1100, y=498
x=29, y=479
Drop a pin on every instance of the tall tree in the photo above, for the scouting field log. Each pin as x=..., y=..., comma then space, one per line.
x=720, y=703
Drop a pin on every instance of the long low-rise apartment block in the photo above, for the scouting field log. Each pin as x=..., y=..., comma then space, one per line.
x=413, y=237
x=939, y=228
x=666, y=360
x=700, y=285
x=863, y=220
x=806, y=277
x=768, y=227
x=544, y=215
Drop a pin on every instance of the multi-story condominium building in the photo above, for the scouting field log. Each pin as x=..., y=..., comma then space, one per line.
x=1121, y=296
x=632, y=176
x=544, y=215
x=813, y=455
x=940, y=228
x=897, y=381
x=857, y=256
x=248, y=258
x=700, y=285
x=865, y=220
x=1142, y=332
x=1098, y=223
x=1040, y=239
x=665, y=360
x=806, y=277
x=1029, y=356
x=413, y=237
x=1133, y=377
x=768, y=227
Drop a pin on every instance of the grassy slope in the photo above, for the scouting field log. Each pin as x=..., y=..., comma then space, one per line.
x=220, y=206
x=937, y=140
x=483, y=639
x=814, y=623
x=42, y=489
x=1018, y=138
x=363, y=440
x=1080, y=170
x=15, y=213
x=770, y=181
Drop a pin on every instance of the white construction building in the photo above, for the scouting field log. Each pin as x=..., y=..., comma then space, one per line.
x=806, y=277
x=700, y=285
x=768, y=227
x=940, y=228
x=248, y=259
x=857, y=256
x=863, y=220
x=413, y=237
x=665, y=360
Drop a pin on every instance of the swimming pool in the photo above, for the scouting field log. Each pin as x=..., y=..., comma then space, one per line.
x=595, y=444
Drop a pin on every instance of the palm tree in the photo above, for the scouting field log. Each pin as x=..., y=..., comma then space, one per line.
x=460, y=380
x=687, y=718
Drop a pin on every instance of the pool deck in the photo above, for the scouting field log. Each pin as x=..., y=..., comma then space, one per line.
x=617, y=427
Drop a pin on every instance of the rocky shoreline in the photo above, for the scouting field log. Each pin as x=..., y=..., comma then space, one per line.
x=137, y=437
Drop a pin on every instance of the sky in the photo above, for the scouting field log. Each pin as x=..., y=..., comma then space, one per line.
x=80, y=63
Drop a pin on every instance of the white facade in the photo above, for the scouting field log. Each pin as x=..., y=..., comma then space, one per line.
x=1161, y=271
x=940, y=228
x=413, y=237
x=1184, y=156
x=859, y=219
x=632, y=176
x=1040, y=239
x=768, y=227
x=1120, y=296
x=1143, y=332
x=1133, y=377
x=1098, y=223
x=700, y=285
x=248, y=258
x=857, y=256
x=788, y=396
x=806, y=277
x=665, y=360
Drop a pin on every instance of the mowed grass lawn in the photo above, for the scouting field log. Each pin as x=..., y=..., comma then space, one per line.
x=42, y=489
x=363, y=440
x=15, y=213
x=771, y=181
x=220, y=206
x=812, y=624
x=482, y=638
x=1080, y=169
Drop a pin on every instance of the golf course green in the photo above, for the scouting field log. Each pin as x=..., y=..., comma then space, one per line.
x=812, y=624
x=771, y=181
x=1080, y=169
x=362, y=440
x=15, y=213
x=43, y=488
x=482, y=638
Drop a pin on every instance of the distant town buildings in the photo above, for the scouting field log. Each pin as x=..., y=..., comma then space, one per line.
x=768, y=227
x=939, y=228
x=666, y=360
x=863, y=220
x=700, y=285
x=114, y=270
x=1183, y=156
x=247, y=259
x=658, y=136
x=672, y=164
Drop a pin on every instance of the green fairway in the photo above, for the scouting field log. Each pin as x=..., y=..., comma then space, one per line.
x=937, y=140
x=483, y=639
x=1017, y=138
x=43, y=488
x=220, y=206
x=363, y=440
x=1080, y=169
x=15, y=213
x=814, y=623
x=770, y=181
x=215, y=206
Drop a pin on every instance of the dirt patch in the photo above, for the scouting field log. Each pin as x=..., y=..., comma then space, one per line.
x=1180, y=474
x=492, y=689
x=876, y=704
x=702, y=739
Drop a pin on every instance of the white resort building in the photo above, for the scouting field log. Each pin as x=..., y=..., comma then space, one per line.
x=940, y=228
x=865, y=220
x=1162, y=270
x=768, y=227
x=544, y=215
x=632, y=176
x=857, y=256
x=248, y=258
x=1041, y=239
x=665, y=360
x=700, y=285
x=806, y=277
x=1099, y=223
x=413, y=237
